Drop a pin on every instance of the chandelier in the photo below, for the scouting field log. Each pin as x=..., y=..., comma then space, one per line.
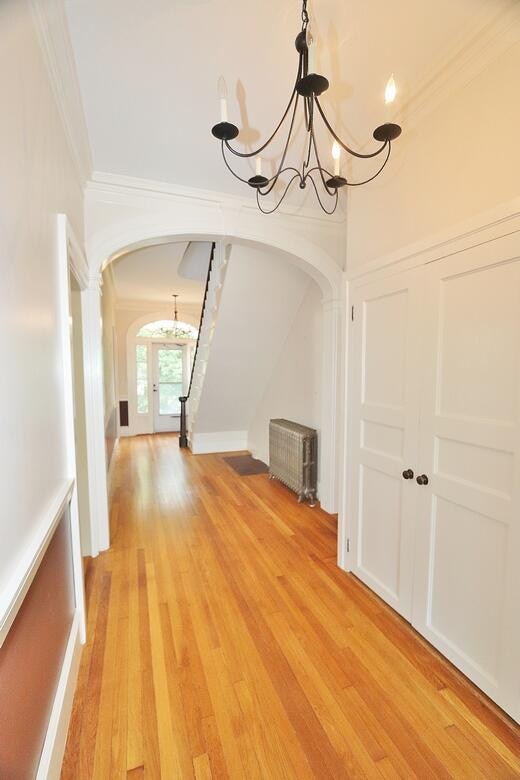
x=308, y=88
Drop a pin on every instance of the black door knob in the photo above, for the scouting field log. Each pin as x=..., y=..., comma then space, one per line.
x=422, y=479
x=408, y=474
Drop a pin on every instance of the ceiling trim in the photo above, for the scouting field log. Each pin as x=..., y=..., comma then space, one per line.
x=56, y=46
x=480, y=47
x=103, y=181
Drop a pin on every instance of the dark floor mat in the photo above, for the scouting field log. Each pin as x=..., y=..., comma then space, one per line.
x=246, y=466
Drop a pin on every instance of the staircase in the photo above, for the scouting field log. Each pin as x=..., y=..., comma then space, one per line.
x=214, y=284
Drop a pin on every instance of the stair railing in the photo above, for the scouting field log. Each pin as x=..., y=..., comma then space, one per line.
x=183, y=438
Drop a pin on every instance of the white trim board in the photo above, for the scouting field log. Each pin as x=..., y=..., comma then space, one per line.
x=105, y=181
x=480, y=229
x=13, y=595
x=225, y=441
x=51, y=758
x=72, y=259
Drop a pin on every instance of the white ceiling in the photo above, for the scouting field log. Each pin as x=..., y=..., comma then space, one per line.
x=148, y=71
x=151, y=274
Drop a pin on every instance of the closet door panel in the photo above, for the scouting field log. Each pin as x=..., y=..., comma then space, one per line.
x=384, y=419
x=468, y=533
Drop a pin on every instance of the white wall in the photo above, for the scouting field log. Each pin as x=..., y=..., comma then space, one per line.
x=261, y=295
x=293, y=389
x=456, y=161
x=38, y=180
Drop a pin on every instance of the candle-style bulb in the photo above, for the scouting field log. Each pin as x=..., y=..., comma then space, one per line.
x=311, y=50
x=222, y=93
x=336, y=156
x=258, y=166
x=390, y=90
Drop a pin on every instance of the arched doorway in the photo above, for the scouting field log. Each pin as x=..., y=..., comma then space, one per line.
x=290, y=246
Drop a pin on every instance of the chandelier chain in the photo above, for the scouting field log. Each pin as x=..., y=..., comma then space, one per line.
x=305, y=15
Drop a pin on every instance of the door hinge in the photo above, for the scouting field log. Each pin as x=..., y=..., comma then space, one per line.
x=348, y=545
x=352, y=314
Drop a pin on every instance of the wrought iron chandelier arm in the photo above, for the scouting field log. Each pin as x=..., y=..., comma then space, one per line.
x=330, y=191
x=280, y=123
x=271, y=211
x=277, y=175
x=340, y=142
x=230, y=169
x=366, y=181
x=274, y=179
x=325, y=209
x=307, y=160
x=297, y=174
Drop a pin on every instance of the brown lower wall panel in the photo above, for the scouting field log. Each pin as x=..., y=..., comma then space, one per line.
x=31, y=659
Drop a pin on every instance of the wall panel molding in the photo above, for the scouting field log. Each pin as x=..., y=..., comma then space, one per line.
x=13, y=595
x=480, y=229
x=56, y=738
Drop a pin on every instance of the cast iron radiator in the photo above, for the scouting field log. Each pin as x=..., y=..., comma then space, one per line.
x=293, y=457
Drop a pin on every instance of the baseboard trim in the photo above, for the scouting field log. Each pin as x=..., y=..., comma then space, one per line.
x=112, y=461
x=51, y=759
x=225, y=441
x=259, y=454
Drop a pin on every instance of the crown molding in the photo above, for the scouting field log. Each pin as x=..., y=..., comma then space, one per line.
x=117, y=184
x=55, y=43
x=483, y=43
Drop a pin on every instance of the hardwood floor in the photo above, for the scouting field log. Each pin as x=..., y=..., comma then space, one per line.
x=223, y=641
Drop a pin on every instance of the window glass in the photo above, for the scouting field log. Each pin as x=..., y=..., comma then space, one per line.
x=141, y=362
x=169, y=398
x=170, y=380
x=168, y=329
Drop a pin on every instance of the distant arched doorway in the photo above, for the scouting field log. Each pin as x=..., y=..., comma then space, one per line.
x=159, y=358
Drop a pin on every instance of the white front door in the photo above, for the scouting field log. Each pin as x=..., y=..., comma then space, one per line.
x=467, y=563
x=168, y=384
x=384, y=429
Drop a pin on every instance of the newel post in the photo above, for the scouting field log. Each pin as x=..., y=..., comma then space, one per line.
x=183, y=438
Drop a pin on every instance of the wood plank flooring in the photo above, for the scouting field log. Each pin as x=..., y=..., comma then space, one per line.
x=223, y=641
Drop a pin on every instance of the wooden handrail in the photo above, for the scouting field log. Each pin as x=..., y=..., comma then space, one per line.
x=183, y=438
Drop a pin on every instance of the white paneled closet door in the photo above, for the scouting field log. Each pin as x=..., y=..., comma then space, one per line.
x=467, y=561
x=385, y=403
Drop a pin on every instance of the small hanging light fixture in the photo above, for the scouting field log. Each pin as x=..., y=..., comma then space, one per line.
x=308, y=87
x=175, y=313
